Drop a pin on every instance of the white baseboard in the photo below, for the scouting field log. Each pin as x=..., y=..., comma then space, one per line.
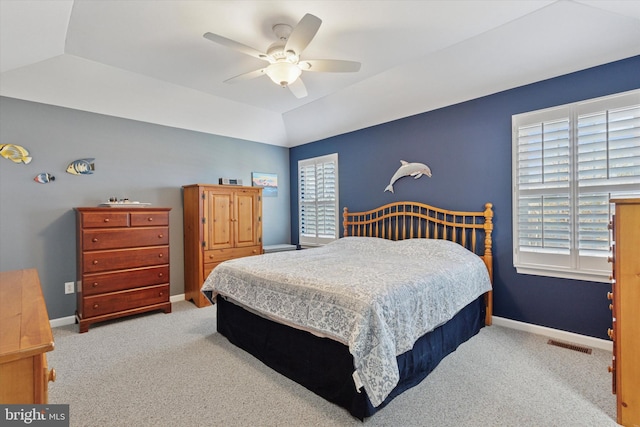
x=70, y=320
x=565, y=336
x=62, y=321
x=176, y=298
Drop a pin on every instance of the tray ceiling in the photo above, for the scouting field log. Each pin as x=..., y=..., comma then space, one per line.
x=148, y=60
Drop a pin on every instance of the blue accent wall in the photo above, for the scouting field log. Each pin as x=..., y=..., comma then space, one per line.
x=468, y=148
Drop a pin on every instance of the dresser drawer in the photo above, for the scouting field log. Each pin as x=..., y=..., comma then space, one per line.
x=93, y=284
x=97, y=261
x=105, y=219
x=146, y=219
x=219, y=255
x=94, y=239
x=124, y=300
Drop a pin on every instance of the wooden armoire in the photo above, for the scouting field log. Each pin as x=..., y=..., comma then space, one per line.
x=221, y=222
x=625, y=306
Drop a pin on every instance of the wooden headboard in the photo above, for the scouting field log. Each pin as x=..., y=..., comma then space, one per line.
x=411, y=220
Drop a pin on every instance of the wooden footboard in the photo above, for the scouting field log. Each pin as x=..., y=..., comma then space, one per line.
x=413, y=220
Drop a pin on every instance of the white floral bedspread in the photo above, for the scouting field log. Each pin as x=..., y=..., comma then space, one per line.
x=374, y=295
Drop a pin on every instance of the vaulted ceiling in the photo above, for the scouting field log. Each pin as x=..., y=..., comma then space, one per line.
x=148, y=60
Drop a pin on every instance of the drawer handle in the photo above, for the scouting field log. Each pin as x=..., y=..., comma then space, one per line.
x=160, y=274
x=94, y=284
x=51, y=376
x=106, y=220
x=95, y=239
x=610, y=368
x=95, y=305
x=210, y=256
x=95, y=261
x=610, y=333
x=160, y=236
x=150, y=219
x=160, y=293
x=160, y=255
x=611, y=307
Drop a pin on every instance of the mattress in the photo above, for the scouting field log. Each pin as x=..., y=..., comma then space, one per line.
x=376, y=297
x=325, y=366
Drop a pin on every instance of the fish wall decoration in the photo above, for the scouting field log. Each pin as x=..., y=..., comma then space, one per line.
x=81, y=167
x=44, y=178
x=15, y=153
x=415, y=170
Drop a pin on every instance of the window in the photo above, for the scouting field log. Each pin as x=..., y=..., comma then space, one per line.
x=318, y=200
x=568, y=162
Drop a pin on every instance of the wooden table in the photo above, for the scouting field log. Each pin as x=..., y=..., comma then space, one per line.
x=25, y=337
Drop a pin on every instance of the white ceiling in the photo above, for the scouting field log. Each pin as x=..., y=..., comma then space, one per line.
x=147, y=60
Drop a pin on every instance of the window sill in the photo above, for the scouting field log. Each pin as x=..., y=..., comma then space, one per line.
x=589, y=276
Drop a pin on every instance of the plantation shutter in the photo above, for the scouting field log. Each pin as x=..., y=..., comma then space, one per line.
x=318, y=200
x=543, y=179
x=608, y=159
x=568, y=163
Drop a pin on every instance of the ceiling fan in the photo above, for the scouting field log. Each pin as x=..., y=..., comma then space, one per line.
x=285, y=65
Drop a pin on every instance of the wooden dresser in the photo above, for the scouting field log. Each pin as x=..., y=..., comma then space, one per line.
x=625, y=306
x=221, y=222
x=25, y=337
x=123, y=262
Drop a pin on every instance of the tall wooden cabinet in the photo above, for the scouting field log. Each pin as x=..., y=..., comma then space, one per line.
x=625, y=306
x=221, y=222
x=123, y=262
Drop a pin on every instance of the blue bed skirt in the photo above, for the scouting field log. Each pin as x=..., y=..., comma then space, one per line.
x=325, y=366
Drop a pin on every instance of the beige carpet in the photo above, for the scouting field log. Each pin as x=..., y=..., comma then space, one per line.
x=176, y=370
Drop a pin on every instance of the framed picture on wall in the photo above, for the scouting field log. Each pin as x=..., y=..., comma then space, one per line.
x=268, y=182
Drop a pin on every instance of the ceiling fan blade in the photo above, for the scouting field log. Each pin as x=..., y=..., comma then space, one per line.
x=298, y=88
x=303, y=33
x=247, y=76
x=236, y=45
x=329, y=65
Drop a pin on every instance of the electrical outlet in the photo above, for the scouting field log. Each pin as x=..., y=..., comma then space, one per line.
x=69, y=287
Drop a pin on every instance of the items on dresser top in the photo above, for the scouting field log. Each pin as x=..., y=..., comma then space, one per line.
x=25, y=337
x=122, y=262
x=123, y=204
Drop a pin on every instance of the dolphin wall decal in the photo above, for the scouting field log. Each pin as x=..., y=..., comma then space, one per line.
x=414, y=169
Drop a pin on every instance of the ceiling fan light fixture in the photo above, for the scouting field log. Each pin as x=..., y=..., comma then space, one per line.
x=283, y=73
x=283, y=56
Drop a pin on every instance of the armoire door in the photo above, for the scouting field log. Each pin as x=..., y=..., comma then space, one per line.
x=218, y=230
x=246, y=221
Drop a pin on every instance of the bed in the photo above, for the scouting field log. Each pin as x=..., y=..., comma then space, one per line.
x=362, y=319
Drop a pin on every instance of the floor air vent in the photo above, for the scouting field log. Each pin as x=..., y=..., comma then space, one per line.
x=570, y=346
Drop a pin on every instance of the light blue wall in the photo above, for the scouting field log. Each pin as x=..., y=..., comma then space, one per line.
x=141, y=161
